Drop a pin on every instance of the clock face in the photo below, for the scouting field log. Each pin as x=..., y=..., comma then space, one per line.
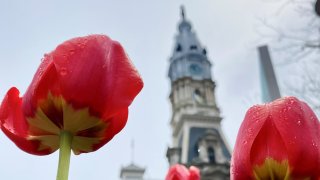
x=195, y=69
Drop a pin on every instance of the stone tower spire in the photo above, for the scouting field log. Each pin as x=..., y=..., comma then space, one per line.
x=197, y=137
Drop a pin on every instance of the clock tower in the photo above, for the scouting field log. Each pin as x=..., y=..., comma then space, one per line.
x=197, y=137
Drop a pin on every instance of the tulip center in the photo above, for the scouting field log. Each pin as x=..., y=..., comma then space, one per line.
x=54, y=115
x=272, y=170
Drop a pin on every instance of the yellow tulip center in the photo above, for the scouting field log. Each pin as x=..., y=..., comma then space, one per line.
x=55, y=115
x=273, y=170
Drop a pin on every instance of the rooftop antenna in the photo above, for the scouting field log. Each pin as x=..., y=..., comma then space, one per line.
x=132, y=151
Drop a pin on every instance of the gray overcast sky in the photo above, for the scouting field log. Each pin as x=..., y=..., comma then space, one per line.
x=146, y=29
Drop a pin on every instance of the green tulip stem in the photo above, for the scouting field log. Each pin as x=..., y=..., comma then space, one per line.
x=64, y=155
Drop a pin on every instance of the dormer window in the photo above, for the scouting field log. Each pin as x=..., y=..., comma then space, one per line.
x=178, y=48
x=193, y=47
x=204, y=51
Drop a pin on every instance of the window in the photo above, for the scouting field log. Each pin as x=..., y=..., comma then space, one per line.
x=204, y=51
x=193, y=47
x=178, y=48
x=197, y=97
x=197, y=92
x=211, y=155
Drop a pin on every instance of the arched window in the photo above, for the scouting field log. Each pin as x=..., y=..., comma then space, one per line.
x=197, y=96
x=197, y=92
x=212, y=158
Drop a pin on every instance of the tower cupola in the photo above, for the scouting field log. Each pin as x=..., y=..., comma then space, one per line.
x=189, y=57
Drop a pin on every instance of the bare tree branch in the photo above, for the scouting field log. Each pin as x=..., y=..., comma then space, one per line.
x=296, y=43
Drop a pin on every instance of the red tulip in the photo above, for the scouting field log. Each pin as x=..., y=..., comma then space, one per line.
x=278, y=140
x=82, y=88
x=180, y=172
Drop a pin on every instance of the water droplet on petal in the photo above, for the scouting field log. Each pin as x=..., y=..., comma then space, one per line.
x=45, y=56
x=63, y=72
x=40, y=72
x=312, y=118
x=291, y=101
x=85, y=40
x=284, y=110
x=299, y=123
x=71, y=52
x=245, y=142
x=81, y=45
